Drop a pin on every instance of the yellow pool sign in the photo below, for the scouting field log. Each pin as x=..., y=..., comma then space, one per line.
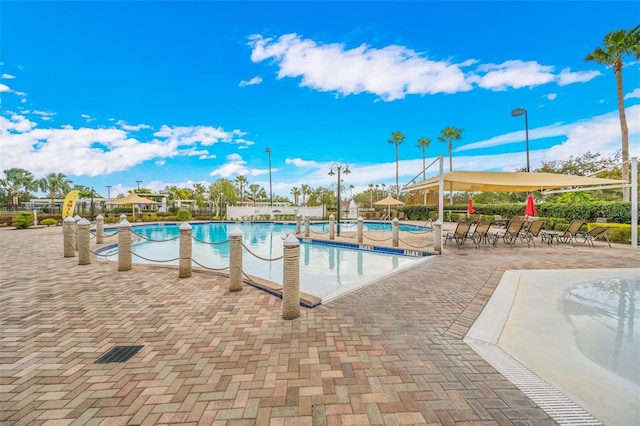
x=70, y=203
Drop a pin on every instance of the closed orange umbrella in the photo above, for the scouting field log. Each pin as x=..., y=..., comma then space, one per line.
x=530, y=210
x=470, y=205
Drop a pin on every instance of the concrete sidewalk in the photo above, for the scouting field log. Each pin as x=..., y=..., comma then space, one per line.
x=390, y=353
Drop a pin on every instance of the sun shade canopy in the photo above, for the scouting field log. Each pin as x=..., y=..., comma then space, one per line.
x=389, y=201
x=133, y=198
x=509, y=182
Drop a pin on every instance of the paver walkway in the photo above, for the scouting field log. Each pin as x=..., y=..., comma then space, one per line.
x=390, y=353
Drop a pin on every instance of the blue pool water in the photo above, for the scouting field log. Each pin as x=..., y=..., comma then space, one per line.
x=325, y=270
x=352, y=226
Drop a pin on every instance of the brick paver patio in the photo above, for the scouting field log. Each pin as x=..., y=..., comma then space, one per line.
x=390, y=353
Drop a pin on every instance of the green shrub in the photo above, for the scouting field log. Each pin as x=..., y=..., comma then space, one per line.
x=23, y=220
x=183, y=215
x=48, y=222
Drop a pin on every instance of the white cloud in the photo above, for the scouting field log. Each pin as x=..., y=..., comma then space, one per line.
x=92, y=152
x=299, y=162
x=7, y=76
x=393, y=72
x=551, y=96
x=634, y=94
x=235, y=166
x=567, y=77
x=124, y=126
x=255, y=80
x=87, y=117
x=4, y=88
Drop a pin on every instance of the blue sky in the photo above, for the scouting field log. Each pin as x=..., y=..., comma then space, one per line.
x=172, y=93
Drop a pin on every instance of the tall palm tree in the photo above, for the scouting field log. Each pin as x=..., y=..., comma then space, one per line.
x=18, y=180
x=423, y=144
x=396, y=139
x=371, y=195
x=295, y=191
x=241, y=181
x=55, y=185
x=616, y=45
x=448, y=135
x=306, y=191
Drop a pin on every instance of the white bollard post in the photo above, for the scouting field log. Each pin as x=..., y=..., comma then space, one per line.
x=298, y=220
x=291, y=279
x=124, y=246
x=77, y=219
x=99, y=229
x=84, y=241
x=395, y=224
x=69, y=236
x=307, y=222
x=360, y=228
x=437, y=236
x=184, y=263
x=235, y=259
x=332, y=219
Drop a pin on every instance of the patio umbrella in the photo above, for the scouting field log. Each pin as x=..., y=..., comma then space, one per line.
x=470, y=205
x=132, y=199
x=530, y=210
x=389, y=201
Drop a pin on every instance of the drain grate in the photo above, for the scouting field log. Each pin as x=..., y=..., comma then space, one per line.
x=119, y=354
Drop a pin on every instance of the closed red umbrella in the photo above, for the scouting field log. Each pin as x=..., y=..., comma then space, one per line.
x=470, y=205
x=530, y=210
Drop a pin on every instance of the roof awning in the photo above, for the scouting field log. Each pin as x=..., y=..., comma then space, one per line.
x=510, y=182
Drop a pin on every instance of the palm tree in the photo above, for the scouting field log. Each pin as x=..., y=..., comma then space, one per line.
x=616, y=45
x=16, y=180
x=56, y=185
x=371, y=195
x=256, y=192
x=295, y=191
x=306, y=191
x=448, y=135
x=396, y=139
x=423, y=144
x=241, y=181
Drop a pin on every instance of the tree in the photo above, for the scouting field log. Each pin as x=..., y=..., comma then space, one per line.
x=241, y=181
x=448, y=135
x=616, y=45
x=423, y=144
x=256, y=192
x=396, y=139
x=55, y=185
x=295, y=191
x=306, y=191
x=371, y=195
x=18, y=180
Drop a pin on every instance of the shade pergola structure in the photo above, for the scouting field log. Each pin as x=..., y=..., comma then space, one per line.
x=132, y=199
x=528, y=182
x=388, y=201
x=513, y=182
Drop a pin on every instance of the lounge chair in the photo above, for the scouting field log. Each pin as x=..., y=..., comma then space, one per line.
x=459, y=235
x=533, y=231
x=569, y=235
x=481, y=234
x=593, y=234
x=511, y=234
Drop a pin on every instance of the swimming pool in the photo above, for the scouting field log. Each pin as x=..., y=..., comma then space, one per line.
x=575, y=329
x=326, y=269
x=352, y=226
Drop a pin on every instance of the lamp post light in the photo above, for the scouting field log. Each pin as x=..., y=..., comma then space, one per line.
x=339, y=167
x=517, y=113
x=108, y=196
x=138, y=182
x=268, y=150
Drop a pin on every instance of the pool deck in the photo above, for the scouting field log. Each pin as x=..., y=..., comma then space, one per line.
x=389, y=353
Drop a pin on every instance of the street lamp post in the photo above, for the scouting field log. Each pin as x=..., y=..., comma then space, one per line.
x=339, y=167
x=268, y=150
x=138, y=182
x=108, y=196
x=516, y=113
x=221, y=206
